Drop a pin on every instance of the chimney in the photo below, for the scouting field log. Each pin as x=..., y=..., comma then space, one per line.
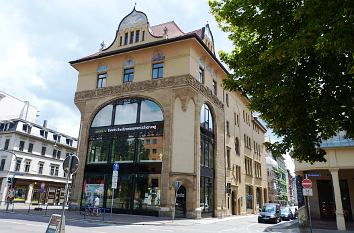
x=45, y=124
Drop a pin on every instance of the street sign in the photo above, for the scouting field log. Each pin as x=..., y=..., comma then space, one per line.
x=178, y=184
x=307, y=192
x=313, y=174
x=307, y=184
x=115, y=166
x=74, y=164
x=114, y=179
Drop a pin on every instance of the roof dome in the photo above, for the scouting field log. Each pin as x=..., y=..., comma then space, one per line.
x=133, y=19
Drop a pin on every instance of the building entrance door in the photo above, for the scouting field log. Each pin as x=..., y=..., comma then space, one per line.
x=234, y=203
x=181, y=202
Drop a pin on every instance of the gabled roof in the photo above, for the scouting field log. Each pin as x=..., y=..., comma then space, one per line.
x=172, y=30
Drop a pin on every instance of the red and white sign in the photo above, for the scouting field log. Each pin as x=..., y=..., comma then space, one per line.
x=307, y=184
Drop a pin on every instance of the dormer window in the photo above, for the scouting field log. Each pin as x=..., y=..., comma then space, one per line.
x=143, y=36
x=131, y=37
x=120, y=41
x=56, y=137
x=43, y=133
x=69, y=141
x=26, y=128
x=126, y=38
x=137, y=36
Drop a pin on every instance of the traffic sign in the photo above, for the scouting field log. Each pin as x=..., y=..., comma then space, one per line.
x=178, y=184
x=307, y=192
x=307, y=184
x=114, y=179
x=115, y=166
x=74, y=161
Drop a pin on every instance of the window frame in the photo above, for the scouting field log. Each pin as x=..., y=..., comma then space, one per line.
x=129, y=74
x=102, y=80
x=160, y=70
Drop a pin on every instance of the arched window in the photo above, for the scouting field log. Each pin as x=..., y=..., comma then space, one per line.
x=237, y=146
x=127, y=130
x=206, y=161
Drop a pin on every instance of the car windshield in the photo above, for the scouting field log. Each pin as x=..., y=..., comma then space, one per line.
x=268, y=209
x=284, y=210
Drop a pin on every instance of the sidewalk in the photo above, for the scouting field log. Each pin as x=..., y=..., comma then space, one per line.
x=119, y=219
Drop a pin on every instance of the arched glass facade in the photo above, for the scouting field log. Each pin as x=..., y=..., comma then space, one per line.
x=206, y=161
x=129, y=132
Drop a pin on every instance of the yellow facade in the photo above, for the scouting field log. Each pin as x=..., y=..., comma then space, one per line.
x=180, y=95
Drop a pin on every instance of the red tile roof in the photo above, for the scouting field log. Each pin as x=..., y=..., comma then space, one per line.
x=172, y=29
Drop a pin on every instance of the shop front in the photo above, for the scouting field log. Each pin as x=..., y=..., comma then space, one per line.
x=128, y=132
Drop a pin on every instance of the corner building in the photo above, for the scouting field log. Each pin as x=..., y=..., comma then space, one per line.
x=153, y=102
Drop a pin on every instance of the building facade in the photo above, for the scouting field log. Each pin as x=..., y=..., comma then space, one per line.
x=332, y=181
x=33, y=156
x=153, y=102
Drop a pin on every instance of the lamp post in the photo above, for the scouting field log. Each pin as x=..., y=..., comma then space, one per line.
x=13, y=176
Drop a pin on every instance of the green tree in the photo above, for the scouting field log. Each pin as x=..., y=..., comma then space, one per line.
x=294, y=60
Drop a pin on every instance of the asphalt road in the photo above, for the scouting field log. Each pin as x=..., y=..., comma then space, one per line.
x=20, y=223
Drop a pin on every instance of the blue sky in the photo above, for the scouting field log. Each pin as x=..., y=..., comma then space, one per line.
x=39, y=38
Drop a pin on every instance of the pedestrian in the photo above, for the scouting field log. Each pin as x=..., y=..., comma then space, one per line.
x=96, y=205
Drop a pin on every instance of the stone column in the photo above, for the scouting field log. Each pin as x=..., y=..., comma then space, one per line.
x=3, y=191
x=338, y=200
x=29, y=194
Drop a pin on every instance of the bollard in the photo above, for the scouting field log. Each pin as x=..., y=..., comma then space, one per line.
x=46, y=208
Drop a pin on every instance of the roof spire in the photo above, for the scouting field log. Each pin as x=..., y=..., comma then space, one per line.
x=134, y=5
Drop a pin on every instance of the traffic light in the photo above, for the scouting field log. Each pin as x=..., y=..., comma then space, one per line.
x=11, y=181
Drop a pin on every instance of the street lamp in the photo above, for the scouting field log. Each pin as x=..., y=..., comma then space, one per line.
x=13, y=176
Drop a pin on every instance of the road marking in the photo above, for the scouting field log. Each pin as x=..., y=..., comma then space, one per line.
x=21, y=223
x=155, y=229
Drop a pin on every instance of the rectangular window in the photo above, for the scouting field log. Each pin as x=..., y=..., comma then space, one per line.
x=7, y=142
x=157, y=70
x=40, y=167
x=131, y=38
x=43, y=150
x=43, y=133
x=215, y=88
x=21, y=146
x=56, y=172
x=54, y=153
x=28, y=165
x=101, y=80
x=228, y=158
x=18, y=165
x=143, y=36
x=154, y=141
x=154, y=151
x=137, y=36
x=148, y=141
x=227, y=100
x=227, y=128
x=58, y=154
x=120, y=41
x=201, y=75
x=30, y=147
x=126, y=38
x=128, y=75
x=2, y=165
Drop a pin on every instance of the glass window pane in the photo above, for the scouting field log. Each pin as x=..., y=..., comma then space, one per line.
x=126, y=113
x=148, y=151
x=150, y=111
x=123, y=148
x=93, y=188
x=103, y=117
x=147, y=192
x=121, y=194
x=202, y=193
x=98, y=151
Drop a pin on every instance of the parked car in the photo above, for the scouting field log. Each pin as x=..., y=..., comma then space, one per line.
x=270, y=212
x=294, y=211
x=286, y=214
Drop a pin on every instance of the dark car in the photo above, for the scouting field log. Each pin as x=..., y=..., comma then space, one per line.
x=270, y=212
x=286, y=214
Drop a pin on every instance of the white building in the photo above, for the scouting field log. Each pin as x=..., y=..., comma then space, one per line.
x=34, y=155
x=13, y=108
x=31, y=153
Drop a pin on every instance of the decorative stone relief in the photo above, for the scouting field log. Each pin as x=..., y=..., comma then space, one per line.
x=176, y=81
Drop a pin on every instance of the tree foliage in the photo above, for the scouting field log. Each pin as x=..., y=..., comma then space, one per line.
x=294, y=60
